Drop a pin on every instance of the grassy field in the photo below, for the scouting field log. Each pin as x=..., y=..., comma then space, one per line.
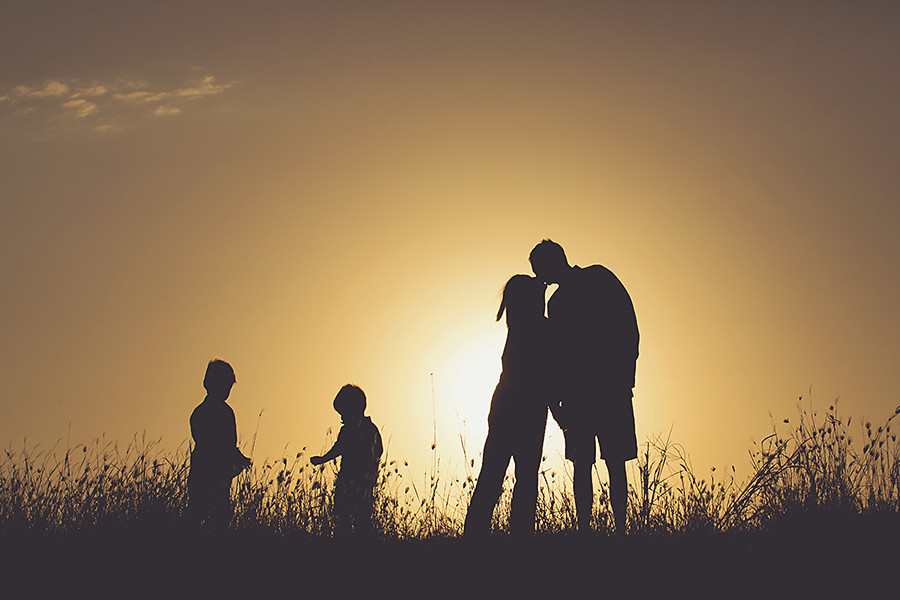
x=820, y=505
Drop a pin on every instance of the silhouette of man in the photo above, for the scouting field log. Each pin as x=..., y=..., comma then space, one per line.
x=215, y=459
x=596, y=333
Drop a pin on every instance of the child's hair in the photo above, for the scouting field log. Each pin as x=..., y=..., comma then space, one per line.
x=350, y=400
x=219, y=375
x=521, y=293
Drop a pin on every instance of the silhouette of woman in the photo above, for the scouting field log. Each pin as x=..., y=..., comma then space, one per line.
x=518, y=415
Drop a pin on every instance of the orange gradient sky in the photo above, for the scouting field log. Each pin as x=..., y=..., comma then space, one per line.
x=323, y=193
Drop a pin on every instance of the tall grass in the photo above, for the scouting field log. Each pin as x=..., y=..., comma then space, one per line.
x=92, y=485
x=811, y=466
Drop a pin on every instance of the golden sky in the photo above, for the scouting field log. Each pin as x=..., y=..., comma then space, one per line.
x=323, y=193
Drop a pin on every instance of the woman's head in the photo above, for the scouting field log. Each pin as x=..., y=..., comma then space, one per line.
x=523, y=299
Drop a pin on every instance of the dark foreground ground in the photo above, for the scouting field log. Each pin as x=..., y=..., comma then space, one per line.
x=822, y=558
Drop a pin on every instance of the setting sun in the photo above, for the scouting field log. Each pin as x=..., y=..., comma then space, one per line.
x=472, y=371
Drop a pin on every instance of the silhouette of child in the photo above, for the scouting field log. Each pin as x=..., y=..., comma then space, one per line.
x=518, y=415
x=359, y=446
x=215, y=459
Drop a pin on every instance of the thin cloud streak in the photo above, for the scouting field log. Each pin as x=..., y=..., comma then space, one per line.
x=166, y=111
x=110, y=105
x=80, y=107
x=49, y=89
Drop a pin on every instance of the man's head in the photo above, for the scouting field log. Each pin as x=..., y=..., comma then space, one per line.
x=350, y=402
x=549, y=262
x=219, y=379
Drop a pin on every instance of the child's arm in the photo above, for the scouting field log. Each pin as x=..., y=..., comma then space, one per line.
x=332, y=454
x=241, y=462
x=378, y=450
x=238, y=460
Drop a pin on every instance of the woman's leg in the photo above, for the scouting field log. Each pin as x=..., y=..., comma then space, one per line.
x=494, y=461
x=527, y=456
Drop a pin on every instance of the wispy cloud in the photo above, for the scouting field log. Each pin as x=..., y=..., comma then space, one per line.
x=139, y=96
x=104, y=106
x=166, y=111
x=205, y=87
x=93, y=90
x=80, y=107
x=48, y=89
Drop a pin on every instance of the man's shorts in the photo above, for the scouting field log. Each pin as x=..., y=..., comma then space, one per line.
x=608, y=418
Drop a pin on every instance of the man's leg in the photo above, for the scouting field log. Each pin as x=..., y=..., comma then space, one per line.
x=584, y=494
x=618, y=492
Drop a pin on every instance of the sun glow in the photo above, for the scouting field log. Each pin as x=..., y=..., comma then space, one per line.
x=471, y=375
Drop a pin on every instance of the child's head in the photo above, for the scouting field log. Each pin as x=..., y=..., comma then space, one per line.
x=350, y=402
x=523, y=299
x=219, y=379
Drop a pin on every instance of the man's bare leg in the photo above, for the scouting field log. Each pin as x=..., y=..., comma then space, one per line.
x=618, y=493
x=584, y=495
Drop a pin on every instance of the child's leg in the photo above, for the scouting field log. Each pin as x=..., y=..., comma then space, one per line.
x=222, y=512
x=364, y=519
x=209, y=504
x=342, y=510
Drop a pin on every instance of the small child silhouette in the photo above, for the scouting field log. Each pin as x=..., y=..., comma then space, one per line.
x=359, y=446
x=215, y=459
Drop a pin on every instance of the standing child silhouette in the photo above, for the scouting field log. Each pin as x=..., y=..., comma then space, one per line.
x=359, y=446
x=215, y=459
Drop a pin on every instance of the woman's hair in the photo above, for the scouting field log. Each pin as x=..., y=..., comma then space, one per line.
x=521, y=293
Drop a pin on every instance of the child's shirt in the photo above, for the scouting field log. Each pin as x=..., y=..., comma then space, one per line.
x=215, y=456
x=359, y=445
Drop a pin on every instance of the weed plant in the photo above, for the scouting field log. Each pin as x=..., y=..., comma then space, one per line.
x=804, y=469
